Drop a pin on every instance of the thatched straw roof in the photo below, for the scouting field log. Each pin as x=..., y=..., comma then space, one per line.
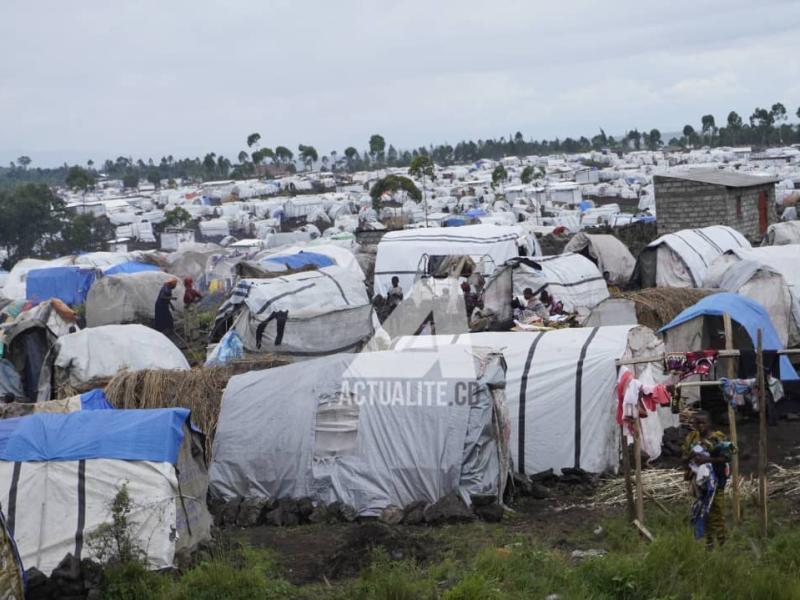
x=655, y=307
x=200, y=390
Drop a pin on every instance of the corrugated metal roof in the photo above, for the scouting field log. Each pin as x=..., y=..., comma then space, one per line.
x=719, y=177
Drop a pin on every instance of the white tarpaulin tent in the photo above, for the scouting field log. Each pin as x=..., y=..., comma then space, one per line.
x=99, y=353
x=129, y=298
x=308, y=313
x=370, y=430
x=63, y=471
x=780, y=234
x=770, y=275
x=561, y=392
x=681, y=259
x=405, y=253
x=607, y=252
x=571, y=279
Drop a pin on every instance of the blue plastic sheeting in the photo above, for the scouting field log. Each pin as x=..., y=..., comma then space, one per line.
x=69, y=284
x=153, y=435
x=748, y=313
x=130, y=267
x=230, y=348
x=301, y=259
x=454, y=222
x=585, y=205
x=95, y=400
x=476, y=212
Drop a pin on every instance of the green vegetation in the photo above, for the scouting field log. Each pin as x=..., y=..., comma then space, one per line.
x=481, y=561
x=499, y=175
x=394, y=183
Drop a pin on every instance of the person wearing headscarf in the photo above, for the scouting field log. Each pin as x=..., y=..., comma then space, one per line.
x=164, y=322
x=190, y=295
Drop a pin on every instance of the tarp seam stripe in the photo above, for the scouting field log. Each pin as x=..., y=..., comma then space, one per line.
x=735, y=239
x=579, y=396
x=692, y=248
x=81, y=508
x=12, y=498
x=708, y=239
x=269, y=302
x=452, y=238
x=338, y=285
x=523, y=391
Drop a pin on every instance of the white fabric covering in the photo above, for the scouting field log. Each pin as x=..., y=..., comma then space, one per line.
x=608, y=252
x=571, y=279
x=780, y=234
x=102, y=352
x=45, y=530
x=684, y=257
x=401, y=253
x=770, y=275
x=543, y=390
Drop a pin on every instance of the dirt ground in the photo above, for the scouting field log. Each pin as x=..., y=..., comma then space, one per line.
x=566, y=520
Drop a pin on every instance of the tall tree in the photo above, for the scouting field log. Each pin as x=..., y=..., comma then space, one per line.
x=253, y=139
x=283, y=154
x=308, y=154
x=32, y=216
x=242, y=157
x=654, y=141
x=79, y=179
x=376, y=147
x=499, y=175
x=421, y=167
x=23, y=161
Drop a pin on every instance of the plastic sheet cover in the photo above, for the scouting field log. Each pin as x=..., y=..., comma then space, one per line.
x=571, y=279
x=153, y=435
x=129, y=298
x=47, y=515
x=395, y=428
x=400, y=253
x=608, y=252
x=748, y=313
x=560, y=393
x=101, y=352
x=68, y=284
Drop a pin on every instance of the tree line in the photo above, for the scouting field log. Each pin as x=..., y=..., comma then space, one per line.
x=764, y=127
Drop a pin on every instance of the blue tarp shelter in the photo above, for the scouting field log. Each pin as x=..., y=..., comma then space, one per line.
x=95, y=400
x=454, y=222
x=747, y=313
x=476, y=212
x=69, y=284
x=301, y=259
x=130, y=267
x=153, y=435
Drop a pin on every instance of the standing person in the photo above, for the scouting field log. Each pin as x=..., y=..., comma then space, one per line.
x=395, y=294
x=190, y=296
x=707, y=454
x=164, y=322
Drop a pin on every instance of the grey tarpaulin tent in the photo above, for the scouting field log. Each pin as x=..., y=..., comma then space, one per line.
x=305, y=314
x=370, y=430
x=607, y=252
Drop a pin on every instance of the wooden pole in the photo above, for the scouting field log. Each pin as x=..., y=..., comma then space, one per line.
x=637, y=458
x=762, y=436
x=731, y=373
x=626, y=471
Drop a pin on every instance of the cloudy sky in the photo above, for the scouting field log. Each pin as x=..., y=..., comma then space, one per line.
x=96, y=79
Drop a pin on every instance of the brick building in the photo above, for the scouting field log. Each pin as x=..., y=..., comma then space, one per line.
x=703, y=197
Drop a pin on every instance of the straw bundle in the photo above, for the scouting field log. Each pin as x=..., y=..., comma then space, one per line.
x=666, y=485
x=655, y=307
x=200, y=390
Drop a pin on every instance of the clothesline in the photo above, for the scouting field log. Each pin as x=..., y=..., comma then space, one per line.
x=720, y=353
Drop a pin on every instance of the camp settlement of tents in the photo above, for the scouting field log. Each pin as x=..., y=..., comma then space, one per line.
x=64, y=470
x=770, y=275
x=561, y=392
x=682, y=259
x=370, y=430
x=607, y=252
x=408, y=253
x=307, y=313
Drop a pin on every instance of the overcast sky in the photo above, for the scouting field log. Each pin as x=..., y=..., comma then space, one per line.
x=96, y=79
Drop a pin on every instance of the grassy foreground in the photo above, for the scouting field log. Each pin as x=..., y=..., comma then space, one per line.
x=508, y=560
